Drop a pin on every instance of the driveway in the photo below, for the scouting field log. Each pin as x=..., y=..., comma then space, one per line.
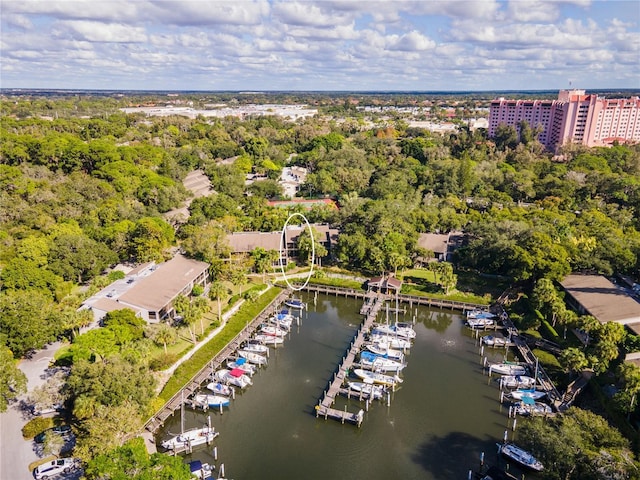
x=16, y=453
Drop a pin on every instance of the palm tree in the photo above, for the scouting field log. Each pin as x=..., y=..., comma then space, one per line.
x=164, y=334
x=216, y=291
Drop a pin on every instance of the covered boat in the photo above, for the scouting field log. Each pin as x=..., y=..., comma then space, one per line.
x=200, y=470
x=220, y=389
x=234, y=377
x=272, y=330
x=282, y=319
x=383, y=350
x=495, y=341
x=380, y=364
x=477, y=313
x=212, y=401
x=256, y=347
x=295, y=303
x=268, y=339
x=528, y=406
x=242, y=364
x=480, y=322
x=521, y=456
x=400, y=330
x=391, y=341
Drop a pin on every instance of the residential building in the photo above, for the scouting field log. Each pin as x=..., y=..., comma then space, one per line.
x=597, y=296
x=150, y=289
x=574, y=117
x=442, y=245
x=246, y=242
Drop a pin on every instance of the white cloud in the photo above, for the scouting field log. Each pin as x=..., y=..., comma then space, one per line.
x=412, y=41
x=93, y=31
x=532, y=11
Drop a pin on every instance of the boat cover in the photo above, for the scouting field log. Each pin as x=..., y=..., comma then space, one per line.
x=236, y=372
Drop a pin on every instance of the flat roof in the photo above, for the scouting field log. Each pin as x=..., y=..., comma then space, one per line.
x=603, y=299
x=165, y=283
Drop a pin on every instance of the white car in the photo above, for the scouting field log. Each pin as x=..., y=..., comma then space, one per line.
x=55, y=467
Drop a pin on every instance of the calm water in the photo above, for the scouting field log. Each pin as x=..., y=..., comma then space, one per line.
x=444, y=414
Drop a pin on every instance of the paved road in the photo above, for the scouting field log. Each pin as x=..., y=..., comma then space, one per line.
x=16, y=453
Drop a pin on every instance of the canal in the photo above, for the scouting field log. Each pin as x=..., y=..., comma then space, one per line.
x=443, y=416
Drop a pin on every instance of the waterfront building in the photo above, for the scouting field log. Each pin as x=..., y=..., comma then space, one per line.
x=574, y=117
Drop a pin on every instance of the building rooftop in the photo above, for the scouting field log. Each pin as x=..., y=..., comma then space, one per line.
x=154, y=291
x=603, y=299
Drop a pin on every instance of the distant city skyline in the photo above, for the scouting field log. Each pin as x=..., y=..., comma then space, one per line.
x=265, y=45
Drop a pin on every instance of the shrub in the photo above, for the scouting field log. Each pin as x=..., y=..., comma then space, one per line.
x=197, y=290
x=162, y=361
x=35, y=426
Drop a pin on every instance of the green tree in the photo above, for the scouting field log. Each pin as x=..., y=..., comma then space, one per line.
x=13, y=381
x=305, y=246
x=79, y=258
x=132, y=461
x=216, y=291
x=151, y=238
x=162, y=334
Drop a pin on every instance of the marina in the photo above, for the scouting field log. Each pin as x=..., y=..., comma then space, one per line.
x=425, y=429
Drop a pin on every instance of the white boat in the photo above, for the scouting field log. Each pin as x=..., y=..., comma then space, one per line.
x=273, y=330
x=528, y=406
x=242, y=364
x=295, y=303
x=282, y=319
x=477, y=313
x=380, y=364
x=213, y=401
x=268, y=339
x=392, y=341
x=220, y=389
x=369, y=390
x=520, y=456
x=399, y=330
x=494, y=341
x=234, y=377
x=523, y=393
x=253, y=357
x=375, y=377
x=480, y=322
x=200, y=470
x=517, y=381
x=383, y=350
x=507, y=368
x=256, y=347
x=190, y=438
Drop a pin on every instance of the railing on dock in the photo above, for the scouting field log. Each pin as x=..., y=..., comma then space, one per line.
x=155, y=422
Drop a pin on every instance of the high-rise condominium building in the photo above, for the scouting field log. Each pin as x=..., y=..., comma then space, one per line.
x=573, y=118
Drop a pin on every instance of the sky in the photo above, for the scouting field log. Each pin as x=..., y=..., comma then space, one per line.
x=361, y=45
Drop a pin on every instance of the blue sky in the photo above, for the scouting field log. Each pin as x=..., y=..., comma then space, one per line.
x=319, y=45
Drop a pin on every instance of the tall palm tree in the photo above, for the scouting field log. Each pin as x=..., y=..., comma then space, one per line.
x=216, y=291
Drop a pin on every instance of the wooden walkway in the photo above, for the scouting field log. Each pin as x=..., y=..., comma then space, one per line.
x=193, y=385
x=410, y=299
x=324, y=407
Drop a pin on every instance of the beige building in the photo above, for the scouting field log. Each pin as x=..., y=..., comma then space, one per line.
x=150, y=289
x=595, y=295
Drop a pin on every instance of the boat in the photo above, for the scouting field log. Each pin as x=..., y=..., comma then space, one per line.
x=295, y=303
x=268, y=339
x=368, y=389
x=221, y=389
x=253, y=357
x=189, y=438
x=528, y=406
x=242, y=364
x=403, y=331
x=383, y=350
x=256, y=347
x=532, y=393
x=282, y=319
x=520, y=456
x=375, y=377
x=517, y=381
x=273, y=330
x=380, y=364
x=392, y=341
x=213, y=401
x=234, y=377
x=480, y=322
x=200, y=470
x=494, y=341
x=508, y=368
x=477, y=313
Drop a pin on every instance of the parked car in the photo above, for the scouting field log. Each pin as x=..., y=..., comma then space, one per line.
x=55, y=467
x=58, y=430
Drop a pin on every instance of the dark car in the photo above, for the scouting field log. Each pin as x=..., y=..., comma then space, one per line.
x=58, y=430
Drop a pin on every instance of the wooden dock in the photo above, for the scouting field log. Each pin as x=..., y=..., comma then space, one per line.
x=324, y=408
x=194, y=384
